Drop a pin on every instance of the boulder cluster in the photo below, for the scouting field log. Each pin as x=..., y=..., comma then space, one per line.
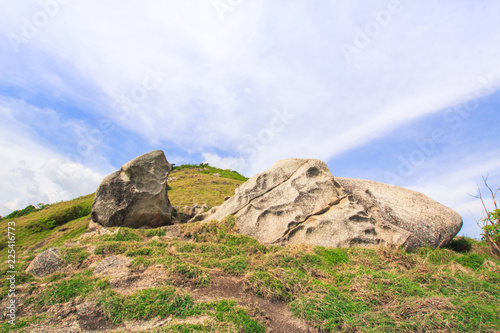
x=295, y=201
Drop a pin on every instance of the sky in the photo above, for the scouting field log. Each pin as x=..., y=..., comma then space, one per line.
x=406, y=93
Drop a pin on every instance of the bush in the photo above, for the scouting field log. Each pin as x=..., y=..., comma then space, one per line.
x=61, y=217
x=492, y=226
x=210, y=170
x=460, y=245
x=18, y=213
x=491, y=223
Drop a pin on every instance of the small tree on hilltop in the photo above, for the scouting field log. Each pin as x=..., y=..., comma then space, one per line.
x=490, y=224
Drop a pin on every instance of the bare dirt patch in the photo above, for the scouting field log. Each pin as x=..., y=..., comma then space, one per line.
x=277, y=316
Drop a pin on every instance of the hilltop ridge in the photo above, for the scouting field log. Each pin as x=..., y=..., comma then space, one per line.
x=205, y=277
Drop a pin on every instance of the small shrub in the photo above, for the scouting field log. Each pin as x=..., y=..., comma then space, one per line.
x=460, y=245
x=18, y=213
x=210, y=170
x=491, y=223
x=59, y=218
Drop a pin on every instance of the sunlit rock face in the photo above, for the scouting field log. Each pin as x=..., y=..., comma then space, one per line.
x=136, y=195
x=299, y=201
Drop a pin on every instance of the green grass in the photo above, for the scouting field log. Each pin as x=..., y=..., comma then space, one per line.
x=228, y=311
x=455, y=289
x=188, y=272
x=204, y=168
x=28, y=239
x=19, y=324
x=60, y=217
x=110, y=249
x=66, y=289
x=192, y=186
x=145, y=304
x=74, y=256
x=23, y=212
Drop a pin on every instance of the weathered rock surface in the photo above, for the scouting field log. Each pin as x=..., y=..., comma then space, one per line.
x=113, y=266
x=299, y=201
x=46, y=263
x=135, y=196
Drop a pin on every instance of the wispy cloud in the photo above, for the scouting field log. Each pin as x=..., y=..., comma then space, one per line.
x=34, y=168
x=205, y=85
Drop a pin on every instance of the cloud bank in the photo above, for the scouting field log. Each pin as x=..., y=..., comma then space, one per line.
x=86, y=86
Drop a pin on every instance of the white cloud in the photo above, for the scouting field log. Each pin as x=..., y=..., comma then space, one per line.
x=219, y=73
x=219, y=81
x=31, y=170
x=231, y=163
x=456, y=186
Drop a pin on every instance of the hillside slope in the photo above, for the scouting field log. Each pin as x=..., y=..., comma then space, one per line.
x=208, y=278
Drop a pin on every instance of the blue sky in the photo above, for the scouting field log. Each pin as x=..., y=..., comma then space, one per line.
x=400, y=92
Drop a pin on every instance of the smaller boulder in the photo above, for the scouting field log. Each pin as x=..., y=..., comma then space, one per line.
x=196, y=209
x=46, y=263
x=136, y=195
x=186, y=213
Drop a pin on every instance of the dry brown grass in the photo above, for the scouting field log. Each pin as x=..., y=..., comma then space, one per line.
x=190, y=186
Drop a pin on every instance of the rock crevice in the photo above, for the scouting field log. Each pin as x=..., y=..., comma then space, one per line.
x=299, y=201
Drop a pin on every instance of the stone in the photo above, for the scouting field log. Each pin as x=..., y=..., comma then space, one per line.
x=184, y=214
x=136, y=195
x=196, y=209
x=46, y=263
x=113, y=266
x=299, y=201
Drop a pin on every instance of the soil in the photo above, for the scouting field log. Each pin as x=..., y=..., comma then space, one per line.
x=276, y=315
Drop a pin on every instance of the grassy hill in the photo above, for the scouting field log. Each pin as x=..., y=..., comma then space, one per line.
x=205, y=277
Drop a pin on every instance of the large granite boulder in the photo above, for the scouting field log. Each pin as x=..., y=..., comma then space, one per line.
x=299, y=201
x=136, y=195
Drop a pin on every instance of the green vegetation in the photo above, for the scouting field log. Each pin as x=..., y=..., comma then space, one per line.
x=491, y=223
x=193, y=184
x=491, y=229
x=145, y=304
x=204, y=168
x=75, y=255
x=454, y=289
x=60, y=217
x=27, y=210
x=26, y=238
x=62, y=291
